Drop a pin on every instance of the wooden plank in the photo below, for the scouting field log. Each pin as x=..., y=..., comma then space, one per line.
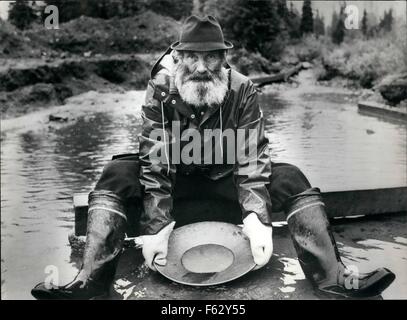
x=338, y=204
x=382, y=109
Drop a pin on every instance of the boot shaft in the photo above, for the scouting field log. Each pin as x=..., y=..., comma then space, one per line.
x=104, y=237
x=313, y=239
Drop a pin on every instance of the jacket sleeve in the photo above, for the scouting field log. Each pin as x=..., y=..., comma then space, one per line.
x=156, y=171
x=253, y=167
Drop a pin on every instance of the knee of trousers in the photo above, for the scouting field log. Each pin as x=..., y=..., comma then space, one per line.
x=121, y=178
x=290, y=180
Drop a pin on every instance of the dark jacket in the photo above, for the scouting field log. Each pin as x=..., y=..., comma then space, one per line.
x=240, y=110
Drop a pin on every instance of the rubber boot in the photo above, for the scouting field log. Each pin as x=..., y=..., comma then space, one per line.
x=319, y=256
x=104, y=241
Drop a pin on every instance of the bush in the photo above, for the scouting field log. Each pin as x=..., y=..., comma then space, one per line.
x=368, y=60
x=143, y=33
x=307, y=49
x=248, y=63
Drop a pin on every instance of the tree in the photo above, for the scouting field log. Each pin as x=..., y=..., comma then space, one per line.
x=338, y=30
x=307, y=21
x=177, y=9
x=21, y=14
x=294, y=22
x=68, y=10
x=216, y=8
x=319, y=25
x=254, y=24
x=364, y=23
x=386, y=23
x=282, y=9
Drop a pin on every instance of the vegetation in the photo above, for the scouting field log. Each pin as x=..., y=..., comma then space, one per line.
x=367, y=61
x=338, y=33
x=263, y=32
x=307, y=21
x=21, y=14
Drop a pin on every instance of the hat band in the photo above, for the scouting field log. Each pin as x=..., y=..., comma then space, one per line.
x=202, y=46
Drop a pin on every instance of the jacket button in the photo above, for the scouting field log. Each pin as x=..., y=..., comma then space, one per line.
x=163, y=94
x=202, y=113
x=173, y=101
x=192, y=116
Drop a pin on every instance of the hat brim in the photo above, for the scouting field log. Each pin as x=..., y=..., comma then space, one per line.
x=207, y=245
x=201, y=46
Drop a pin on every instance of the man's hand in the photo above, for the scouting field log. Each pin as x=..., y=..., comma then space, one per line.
x=261, y=239
x=155, y=247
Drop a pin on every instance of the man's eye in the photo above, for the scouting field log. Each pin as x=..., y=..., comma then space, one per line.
x=210, y=56
x=192, y=56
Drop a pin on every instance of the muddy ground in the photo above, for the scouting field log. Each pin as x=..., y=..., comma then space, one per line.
x=28, y=85
x=364, y=243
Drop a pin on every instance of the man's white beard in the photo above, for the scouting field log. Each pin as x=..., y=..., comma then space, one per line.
x=200, y=93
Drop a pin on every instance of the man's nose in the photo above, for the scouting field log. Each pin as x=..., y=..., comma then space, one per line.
x=200, y=66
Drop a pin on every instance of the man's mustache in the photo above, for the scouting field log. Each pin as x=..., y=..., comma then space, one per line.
x=200, y=77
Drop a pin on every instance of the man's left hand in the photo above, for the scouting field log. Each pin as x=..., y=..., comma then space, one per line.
x=261, y=239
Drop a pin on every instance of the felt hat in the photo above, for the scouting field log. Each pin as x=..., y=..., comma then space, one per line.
x=201, y=34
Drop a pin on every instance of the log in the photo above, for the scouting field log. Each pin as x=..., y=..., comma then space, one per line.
x=279, y=77
x=339, y=204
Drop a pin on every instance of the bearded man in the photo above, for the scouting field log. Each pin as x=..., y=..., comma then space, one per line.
x=193, y=86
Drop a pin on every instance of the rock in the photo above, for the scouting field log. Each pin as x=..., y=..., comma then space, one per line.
x=306, y=65
x=393, y=88
x=276, y=67
x=87, y=54
x=293, y=60
x=57, y=118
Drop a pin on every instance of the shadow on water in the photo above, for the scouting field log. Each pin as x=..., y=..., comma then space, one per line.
x=390, y=117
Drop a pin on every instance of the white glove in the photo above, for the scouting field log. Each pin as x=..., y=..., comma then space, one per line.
x=261, y=239
x=155, y=247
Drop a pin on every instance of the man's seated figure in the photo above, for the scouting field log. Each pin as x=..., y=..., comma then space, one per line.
x=193, y=89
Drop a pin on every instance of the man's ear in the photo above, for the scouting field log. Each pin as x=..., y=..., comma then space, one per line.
x=176, y=56
x=224, y=58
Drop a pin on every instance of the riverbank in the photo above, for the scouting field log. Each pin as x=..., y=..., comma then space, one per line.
x=30, y=85
x=42, y=68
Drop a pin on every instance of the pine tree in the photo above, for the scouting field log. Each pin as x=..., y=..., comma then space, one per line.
x=334, y=22
x=68, y=10
x=294, y=22
x=338, y=30
x=282, y=9
x=364, y=23
x=21, y=14
x=319, y=25
x=254, y=24
x=386, y=24
x=307, y=21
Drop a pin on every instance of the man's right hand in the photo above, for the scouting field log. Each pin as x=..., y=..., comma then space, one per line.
x=155, y=247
